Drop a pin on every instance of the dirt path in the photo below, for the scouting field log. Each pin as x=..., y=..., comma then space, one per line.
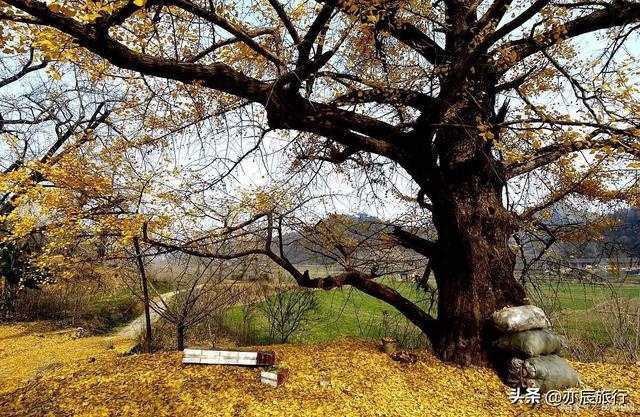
x=158, y=306
x=137, y=325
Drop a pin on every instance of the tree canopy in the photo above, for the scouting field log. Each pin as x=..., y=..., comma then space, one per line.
x=491, y=111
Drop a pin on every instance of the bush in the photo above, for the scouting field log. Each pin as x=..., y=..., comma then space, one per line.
x=288, y=311
x=77, y=303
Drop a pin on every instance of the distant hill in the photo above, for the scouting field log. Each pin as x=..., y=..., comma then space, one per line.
x=627, y=232
x=622, y=238
x=300, y=247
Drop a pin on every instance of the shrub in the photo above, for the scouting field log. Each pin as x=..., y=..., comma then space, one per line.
x=288, y=311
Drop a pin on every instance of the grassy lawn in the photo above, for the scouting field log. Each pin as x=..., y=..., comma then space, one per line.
x=577, y=307
x=116, y=308
x=342, y=312
x=575, y=296
x=348, y=312
x=111, y=310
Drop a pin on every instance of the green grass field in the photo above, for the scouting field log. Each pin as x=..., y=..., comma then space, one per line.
x=348, y=312
x=342, y=312
x=579, y=309
x=576, y=296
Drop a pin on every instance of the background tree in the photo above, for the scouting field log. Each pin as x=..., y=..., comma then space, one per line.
x=204, y=289
x=489, y=107
x=40, y=124
x=287, y=310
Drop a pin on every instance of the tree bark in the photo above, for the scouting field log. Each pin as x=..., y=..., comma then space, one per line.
x=180, y=329
x=474, y=275
x=145, y=295
x=475, y=263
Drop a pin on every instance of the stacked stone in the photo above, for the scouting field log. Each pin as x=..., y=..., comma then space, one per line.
x=525, y=334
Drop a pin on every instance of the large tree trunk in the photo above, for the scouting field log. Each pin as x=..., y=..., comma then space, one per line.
x=473, y=269
x=474, y=263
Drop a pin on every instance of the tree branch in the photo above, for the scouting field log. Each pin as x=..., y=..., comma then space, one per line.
x=553, y=152
x=213, y=17
x=617, y=13
x=494, y=14
x=416, y=243
x=507, y=28
x=386, y=96
x=217, y=75
x=226, y=42
x=357, y=279
x=366, y=284
x=282, y=14
x=26, y=69
x=405, y=32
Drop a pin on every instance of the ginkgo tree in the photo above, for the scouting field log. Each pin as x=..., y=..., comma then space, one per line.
x=71, y=177
x=40, y=127
x=477, y=101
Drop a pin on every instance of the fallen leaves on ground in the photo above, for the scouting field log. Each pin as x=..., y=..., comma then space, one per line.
x=364, y=382
x=28, y=350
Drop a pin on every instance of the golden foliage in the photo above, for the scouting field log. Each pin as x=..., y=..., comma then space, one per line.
x=364, y=382
x=26, y=350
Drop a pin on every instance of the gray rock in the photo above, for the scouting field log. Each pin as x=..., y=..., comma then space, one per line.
x=80, y=332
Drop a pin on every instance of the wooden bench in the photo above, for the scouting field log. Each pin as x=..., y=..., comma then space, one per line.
x=228, y=357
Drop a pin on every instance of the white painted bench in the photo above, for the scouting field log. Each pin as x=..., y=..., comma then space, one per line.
x=228, y=357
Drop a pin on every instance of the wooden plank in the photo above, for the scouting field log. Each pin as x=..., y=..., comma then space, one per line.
x=274, y=376
x=228, y=357
x=223, y=359
x=269, y=381
x=222, y=354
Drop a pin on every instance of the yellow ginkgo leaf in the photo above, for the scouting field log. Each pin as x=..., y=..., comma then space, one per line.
x=139, y=3
x=67, y=11
x=55, y=74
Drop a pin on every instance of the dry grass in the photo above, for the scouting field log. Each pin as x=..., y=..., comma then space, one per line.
x=607, y=332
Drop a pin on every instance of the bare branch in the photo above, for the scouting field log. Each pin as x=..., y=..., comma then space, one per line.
x=416, y=243
x=282, y=14
x=213, y=17
x=26, y=69
x=617, y=13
